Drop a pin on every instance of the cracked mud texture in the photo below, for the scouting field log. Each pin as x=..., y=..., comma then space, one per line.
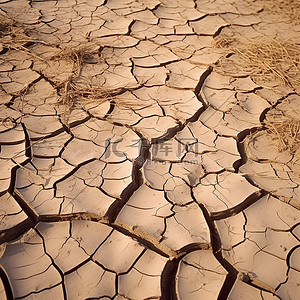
x=133, y=166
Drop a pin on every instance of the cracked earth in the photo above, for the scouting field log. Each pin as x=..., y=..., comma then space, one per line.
x=135, y=158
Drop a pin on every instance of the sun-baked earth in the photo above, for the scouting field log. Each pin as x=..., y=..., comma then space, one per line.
x=149, y=149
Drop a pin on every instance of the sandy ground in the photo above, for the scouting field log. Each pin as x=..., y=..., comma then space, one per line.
x=149, y=149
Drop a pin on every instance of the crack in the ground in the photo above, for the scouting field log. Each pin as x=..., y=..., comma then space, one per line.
x=164, y=34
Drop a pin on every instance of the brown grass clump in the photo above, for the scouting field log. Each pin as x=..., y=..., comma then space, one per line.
x=12, y=34
x=6, y=25
x=266, y=61
x=286, y=132
x=290, y=9
x=76, y=55
x=74, y=90
x=72, y=94
x=263, y=60
x=68, y=90
x=14, y=37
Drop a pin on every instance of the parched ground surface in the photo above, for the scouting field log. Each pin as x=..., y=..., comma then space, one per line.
x=142, y=156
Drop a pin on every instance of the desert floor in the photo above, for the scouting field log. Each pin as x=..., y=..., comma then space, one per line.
x=149, y=149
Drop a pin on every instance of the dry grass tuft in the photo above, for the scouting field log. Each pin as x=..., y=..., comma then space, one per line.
x=264, y=60
x=73, y=94
x=71, y=91
x=290, y=9
x=6, y=25
x=11, y=33
x=14, y=37
x=76, y=55
x=286, y=132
